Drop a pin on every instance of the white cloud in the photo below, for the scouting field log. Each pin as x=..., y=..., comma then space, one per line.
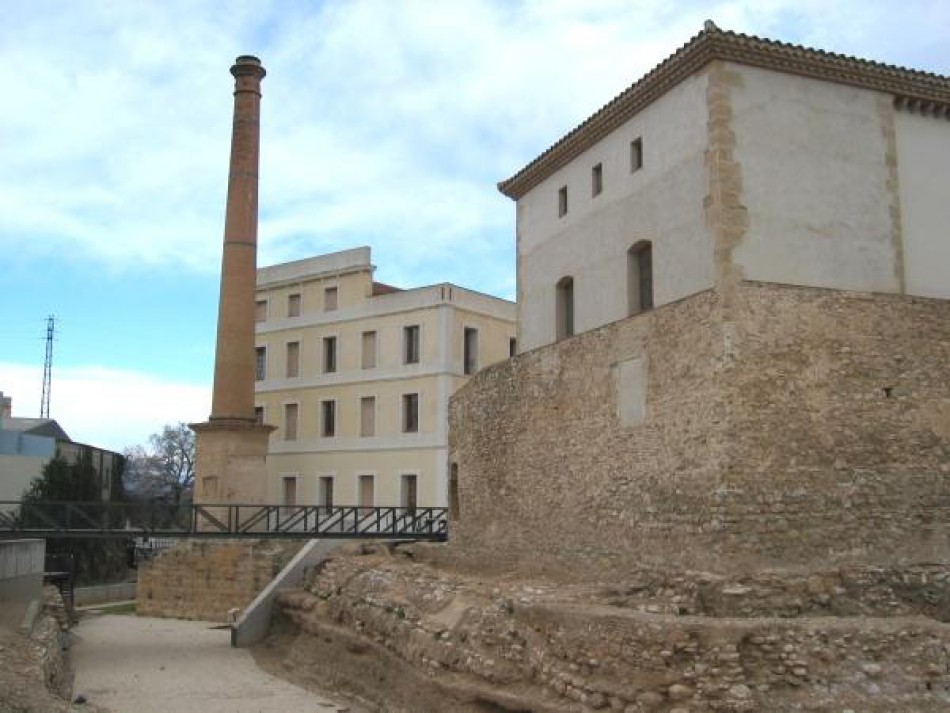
x=384, y=122
x=104, y=407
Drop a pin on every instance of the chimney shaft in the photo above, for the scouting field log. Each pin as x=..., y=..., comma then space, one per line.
x=234, y=366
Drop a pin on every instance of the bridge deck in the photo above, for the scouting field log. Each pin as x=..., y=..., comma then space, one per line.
x=137, y=519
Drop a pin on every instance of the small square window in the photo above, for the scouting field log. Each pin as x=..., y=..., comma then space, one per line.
x=597, y=180
x=636, y=155
x=562, y=201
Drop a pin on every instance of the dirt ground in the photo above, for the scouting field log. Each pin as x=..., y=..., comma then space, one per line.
x=130, y=664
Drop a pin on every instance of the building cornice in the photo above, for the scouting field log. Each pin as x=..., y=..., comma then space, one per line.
x=917, y=90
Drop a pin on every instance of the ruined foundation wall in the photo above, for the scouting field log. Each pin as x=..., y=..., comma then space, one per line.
x=204, y=580
x=809, y=430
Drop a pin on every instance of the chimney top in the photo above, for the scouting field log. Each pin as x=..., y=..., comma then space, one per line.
x=247, y=65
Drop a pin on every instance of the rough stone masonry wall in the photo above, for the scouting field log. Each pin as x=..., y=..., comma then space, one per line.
x=412, y=638
x=204, y=580
x=550, y=480
x=810, y=429
x=838, y=442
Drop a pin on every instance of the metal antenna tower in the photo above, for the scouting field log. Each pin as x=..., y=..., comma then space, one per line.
x=48, y=366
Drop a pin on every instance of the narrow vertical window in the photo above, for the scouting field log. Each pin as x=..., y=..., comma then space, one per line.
x=597, y=180
x=325, y=491
x=470, y=350
x=368, y=351
x=368, y=416
x=290, y=422
x=260, y=363
x=640, y=277
x=329, y=355
x=411, y=344
x=410, y=413
x=636, y=155
x=367, y=494
x=562, y=201
x=328, y=419
x=409, y=492
x=293, y=359
x=293, y=305
x=260, y=311
x=289, y=494
x=329, y=299
x=564, y=308
x=259, y=414
x=512, y=346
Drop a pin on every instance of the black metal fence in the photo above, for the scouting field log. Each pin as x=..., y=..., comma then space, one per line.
x=157, y=519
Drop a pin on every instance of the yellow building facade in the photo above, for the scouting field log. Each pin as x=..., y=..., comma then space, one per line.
x=356, y=376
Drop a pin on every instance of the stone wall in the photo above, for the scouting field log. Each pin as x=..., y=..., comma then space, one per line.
x=403, y=634
x=811, y=428
x=201, y=579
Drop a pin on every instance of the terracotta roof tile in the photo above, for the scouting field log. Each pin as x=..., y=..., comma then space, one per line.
x=923, y=90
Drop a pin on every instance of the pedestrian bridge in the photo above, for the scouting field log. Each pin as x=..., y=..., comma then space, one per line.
x=157, y=519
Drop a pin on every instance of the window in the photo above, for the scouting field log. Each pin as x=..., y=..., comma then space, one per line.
x=260, y=311
x=329, y=299
x=328, y=419
x=562, y=201
x=368, y=351
x=470, y=350
x=640, y=277
x=408, y=496
x=410, y=338
x=293, y=305
x=290, y=422
x=368, y=416
x=325, y=491
x=512, y=346
x=289, y=494
x=597, y=180
x=564, y=316
x=260, y=368
x=636, y=155
x=259, y=414
x=410, y=413
x=367, y=494
x=329, y=355
x=293, y=359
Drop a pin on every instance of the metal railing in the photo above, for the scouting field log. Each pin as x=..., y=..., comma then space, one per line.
x=157, y=519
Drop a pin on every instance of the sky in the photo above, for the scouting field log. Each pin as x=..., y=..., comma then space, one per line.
x=385, y=123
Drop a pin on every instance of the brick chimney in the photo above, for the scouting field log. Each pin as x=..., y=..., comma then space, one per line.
x=231, y=445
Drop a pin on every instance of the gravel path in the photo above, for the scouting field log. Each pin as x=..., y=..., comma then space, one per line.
x=132, y=664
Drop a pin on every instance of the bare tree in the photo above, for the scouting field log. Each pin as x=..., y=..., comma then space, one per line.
x=166, y=469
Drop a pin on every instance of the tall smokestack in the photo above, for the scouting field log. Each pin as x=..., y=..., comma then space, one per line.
x=233, y=396
x=231, y=446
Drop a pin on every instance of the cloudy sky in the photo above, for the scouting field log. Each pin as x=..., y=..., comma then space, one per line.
x=385, y=123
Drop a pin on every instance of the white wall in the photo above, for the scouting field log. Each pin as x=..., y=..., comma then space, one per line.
x=814, y=181
x=662, y=202
x=923, y=164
